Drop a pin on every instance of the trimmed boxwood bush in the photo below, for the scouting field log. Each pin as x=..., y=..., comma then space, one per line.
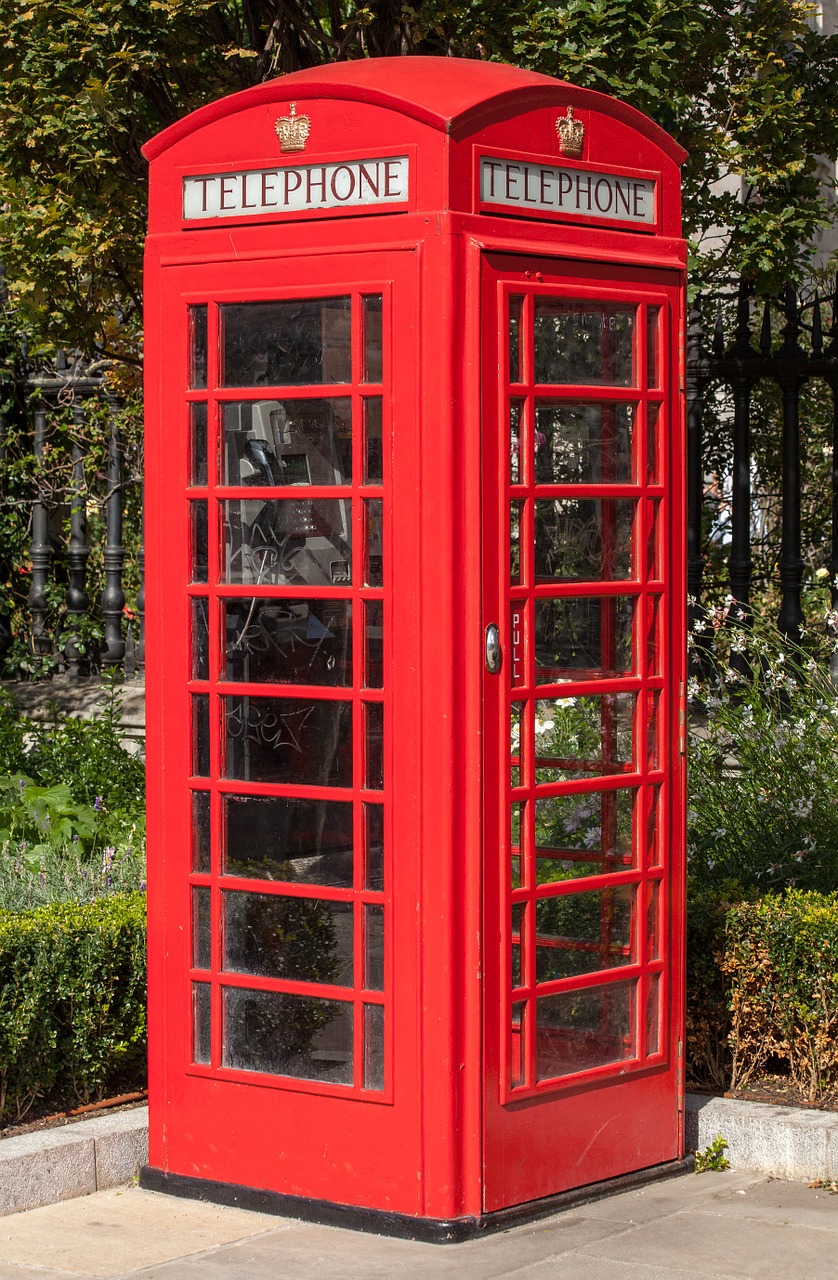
x=72, y=1001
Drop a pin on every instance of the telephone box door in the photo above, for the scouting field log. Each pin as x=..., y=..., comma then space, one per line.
x=583, y=846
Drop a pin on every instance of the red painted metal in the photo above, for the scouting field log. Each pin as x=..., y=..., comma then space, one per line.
x=454, y=1123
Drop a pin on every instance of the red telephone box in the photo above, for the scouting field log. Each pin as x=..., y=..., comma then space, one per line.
x=415, y=645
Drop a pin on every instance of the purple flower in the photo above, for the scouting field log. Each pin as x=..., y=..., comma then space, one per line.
x=97, y=803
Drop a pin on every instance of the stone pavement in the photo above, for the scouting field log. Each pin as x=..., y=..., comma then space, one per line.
x=693, y=1227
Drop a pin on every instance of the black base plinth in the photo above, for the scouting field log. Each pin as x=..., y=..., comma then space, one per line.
x=401, y=1225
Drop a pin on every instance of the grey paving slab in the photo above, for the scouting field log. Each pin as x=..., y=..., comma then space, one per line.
x=661, y=1198
x=578, y=1267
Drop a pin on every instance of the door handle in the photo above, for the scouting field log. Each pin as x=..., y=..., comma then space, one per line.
x=494, y=656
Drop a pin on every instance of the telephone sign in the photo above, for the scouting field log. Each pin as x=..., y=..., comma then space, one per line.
x=415, y=615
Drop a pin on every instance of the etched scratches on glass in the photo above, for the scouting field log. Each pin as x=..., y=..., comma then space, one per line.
x=580, y=933
x=374, y=543
x=296, y=542
x=199, y=608
x=374, y=717
x=516, y=410
x=200, y=735
x=583, y=443
x=374, y=1047
x=199, y=541
x=296, y=741
x=652, y=346
x=304, y=1037
x=288, y=641
x=373, y=438
x=287, y=838
x=584, y=343
x=287, y=442
x=198, y=348
x=197, y=444
x=374, y=948
x=579, y=539
x=201, y=928
x=298, y=939
x=584, y=835
x=374, y=634
x=374, y=835
x=516, y=305
x=201, y=832
x=583, y=737
x=285, y=343
x=583, y=636
x=201, y=1025
x=580, y=1030
x=373, y=336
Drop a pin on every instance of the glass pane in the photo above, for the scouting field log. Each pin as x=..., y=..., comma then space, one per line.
x=516, y=636
x=374, y=820
x=583, y=443
x=287, y=838
x=373, y=550
x=200, y=735
x=373, y=1046
x=198, y=444
x=199, y=541
x=287, y=442
x=652, y=726
x=516, y=306
x=374, y=948
x=653, y=935
x=299, y=939
x=373, y=457
x=586, y=637
x=374, y=715
x=655, y=646
x=201, y=1037
x=299, y=1036
x=653, y=1015
x=583, y=737
x=289, y=740
x=516, y=520
x=582, y=932
x=296, y=542
x=652, y=444
x=286, y=343
x=579, y=1030
x=288, y=641
x=198, y=348
x=516, y=745
x=653, y=843
x=652, y=346
x=583, y=342
x=515, y=426
x=518, y=1055
x=372, y=338
x=517, y=840
x=201, y=832
x=583, y=835
x=653, y=548
x=583, y=539
x=201, y=928
x=518, y=942
x=374, y=633
x=200, y=638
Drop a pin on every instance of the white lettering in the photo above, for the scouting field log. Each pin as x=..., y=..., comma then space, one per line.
x=607, y=196
x=297, y=188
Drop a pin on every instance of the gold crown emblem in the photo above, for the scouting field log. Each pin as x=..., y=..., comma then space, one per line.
x=293, y=130
x=571, y=134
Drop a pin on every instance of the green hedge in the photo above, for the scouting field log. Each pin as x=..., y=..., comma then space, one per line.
x=72, y=1001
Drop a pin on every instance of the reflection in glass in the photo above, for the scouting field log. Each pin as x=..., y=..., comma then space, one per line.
x=374, y=716
x=374, y=1046
x=372, y=338
x=197, y=444
x=583, y=835
x=653, y=1016
x=518, y=838
x=654, y=652
x=201, y=832
x=284, y=541
x=199, y=541
x=199, y=608
x=580, y=933
x=653, y=843
x=516, y=306
x=516, y=744
x=287, y=838
x=652, y=345
x=200, y=928
x=287, y=442
x=516, y=523
x=374, y=542
x=285, y=343
x=200, y=735
x=374, y=633
x=300, y=1036
x=586, y=343
x=198, y=347
x=652, y=751
x=517, y=1057
x=583, y=539
x=579, y=1030
x=298, y=741
x=518, y=942
x=515, y=427
x=288, y=641
x=299, y=939
x=374, y=948
x=374, y=825
x=652, y=444
x=201, y=1033
x=653, y=549
x=373, y=457
x=583, y=443
x=653, y=937
x=590, y=635
x=583, y=737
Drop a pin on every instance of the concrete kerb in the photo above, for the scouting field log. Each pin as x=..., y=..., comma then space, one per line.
x=104, y=1151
